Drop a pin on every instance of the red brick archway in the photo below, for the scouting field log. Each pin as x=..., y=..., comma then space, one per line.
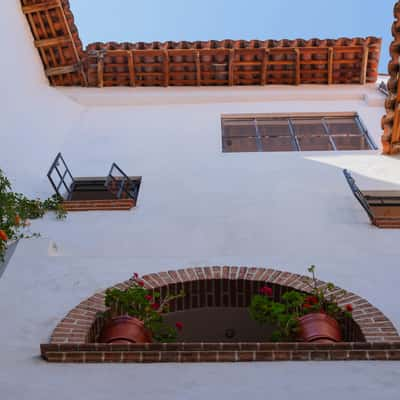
x=74, y=337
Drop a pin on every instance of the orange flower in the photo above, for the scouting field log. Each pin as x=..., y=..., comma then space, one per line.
x=17, y=220
x=3, y=235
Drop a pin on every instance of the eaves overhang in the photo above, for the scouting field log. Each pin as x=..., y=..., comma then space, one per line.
x=199, y=63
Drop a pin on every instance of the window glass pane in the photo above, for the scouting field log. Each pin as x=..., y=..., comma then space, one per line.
x=68, y=180
x=277, y=143
x=55, y=177
x=239, y=144
x=273, y=127
x=237, y=128
x=343, y=126
x=314, y=143
x=355, y=142
x=280, y=133
x=308, y=127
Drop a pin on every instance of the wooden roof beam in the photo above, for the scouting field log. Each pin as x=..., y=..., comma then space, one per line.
x=41, y=6
x=131, y=66
x=100, y=72
x=166, y=67
x=68, y=69
x=56, y=41
x=198, y=68
x=330, y=65
x=298, y=66
x=75, y=49
x=364, y=65
x=231, y=67
x=264, y=67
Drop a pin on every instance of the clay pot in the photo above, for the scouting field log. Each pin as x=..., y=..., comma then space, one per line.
x=319, y=328
x=124, y=330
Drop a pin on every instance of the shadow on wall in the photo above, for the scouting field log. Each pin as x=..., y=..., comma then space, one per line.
x=9, y=253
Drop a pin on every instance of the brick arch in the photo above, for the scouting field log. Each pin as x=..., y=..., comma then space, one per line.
x=220, y=286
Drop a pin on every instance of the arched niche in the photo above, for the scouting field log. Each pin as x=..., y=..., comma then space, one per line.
x=216, y=288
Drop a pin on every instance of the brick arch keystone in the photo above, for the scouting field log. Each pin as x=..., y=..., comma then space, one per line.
x=218, y=286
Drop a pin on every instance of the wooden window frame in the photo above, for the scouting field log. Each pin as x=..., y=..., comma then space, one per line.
x=291, y=118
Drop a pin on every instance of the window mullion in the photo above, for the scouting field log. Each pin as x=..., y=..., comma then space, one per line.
x=258, y=137
x=294, y=137
x=326, y=127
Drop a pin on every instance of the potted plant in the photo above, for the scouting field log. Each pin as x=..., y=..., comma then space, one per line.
x=135, y=315
x=298, y=316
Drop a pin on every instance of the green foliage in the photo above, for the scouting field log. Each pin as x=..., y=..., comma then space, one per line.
x=141, y=303
x=284, y=315
x=293, y=305
x=16, y=210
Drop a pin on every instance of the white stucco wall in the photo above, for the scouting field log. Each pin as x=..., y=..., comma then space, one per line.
x=33, y=115
x=197, y=206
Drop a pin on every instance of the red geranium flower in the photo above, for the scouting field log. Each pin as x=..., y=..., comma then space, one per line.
x=349, y=308
x=312, y=300
x=140, y=283
x=306, y=305
x=266, y=290
x=3, y=235
x=179, y=326
x=148, y=297
x=155, y=306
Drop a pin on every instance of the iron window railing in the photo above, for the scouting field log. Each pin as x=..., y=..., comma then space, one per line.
x=116, y=185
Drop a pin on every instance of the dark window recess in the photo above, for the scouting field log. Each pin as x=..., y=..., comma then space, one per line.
x=381, y=206
x=294, y=133
x=116, y=185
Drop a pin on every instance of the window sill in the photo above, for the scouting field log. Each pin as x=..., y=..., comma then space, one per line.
x=99, y=205
x=219, y=352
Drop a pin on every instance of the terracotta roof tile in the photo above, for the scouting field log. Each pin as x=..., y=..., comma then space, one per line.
x=391, y=121
x=200, y=63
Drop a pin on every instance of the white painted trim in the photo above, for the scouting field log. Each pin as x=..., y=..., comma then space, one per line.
x=144, y=96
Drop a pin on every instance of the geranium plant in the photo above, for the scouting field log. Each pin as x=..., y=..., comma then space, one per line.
x=16, y=210
x=285, y=314
x=145, y=305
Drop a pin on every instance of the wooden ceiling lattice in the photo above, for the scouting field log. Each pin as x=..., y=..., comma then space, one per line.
x=57, y=39
x=210, y=63
x=391, y=121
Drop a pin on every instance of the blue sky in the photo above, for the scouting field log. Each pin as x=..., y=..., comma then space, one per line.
x=160, y=20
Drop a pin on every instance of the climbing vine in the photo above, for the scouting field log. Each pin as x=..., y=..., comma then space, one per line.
x=16, y=210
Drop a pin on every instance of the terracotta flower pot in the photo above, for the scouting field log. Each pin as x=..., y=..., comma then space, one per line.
x=124, y=330
x=319, y=328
